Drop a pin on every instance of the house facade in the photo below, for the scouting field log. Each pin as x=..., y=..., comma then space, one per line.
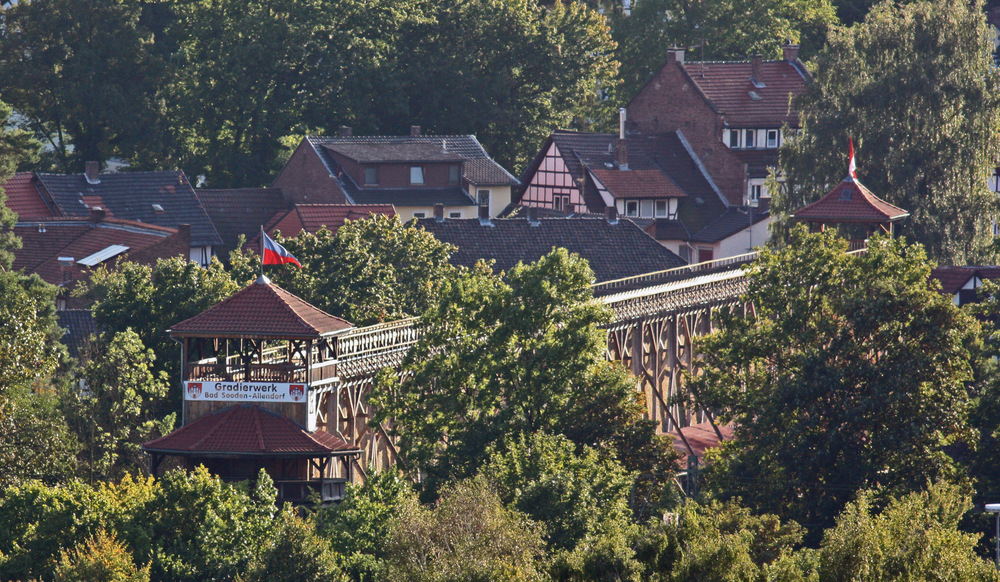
x=412, y=173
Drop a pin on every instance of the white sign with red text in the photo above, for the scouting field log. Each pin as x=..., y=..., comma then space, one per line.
x=245, y=392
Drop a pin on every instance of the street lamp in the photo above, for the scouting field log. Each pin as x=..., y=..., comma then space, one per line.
x=994, y=508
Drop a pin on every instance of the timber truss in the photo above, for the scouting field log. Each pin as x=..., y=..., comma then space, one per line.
x=656, y=319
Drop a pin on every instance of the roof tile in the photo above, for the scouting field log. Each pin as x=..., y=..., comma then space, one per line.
x=727, y=84
x=850, y=201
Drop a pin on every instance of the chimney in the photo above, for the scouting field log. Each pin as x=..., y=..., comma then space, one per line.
x=97, y=214
x=533, y=216
x=611, y=214
x=755, y=62
x=676, y=54
x=621, y=153
x=439, y=213
x=790, y=51
x=484, y=213
x=344, y=131
x=414, y=131
x=92, y=172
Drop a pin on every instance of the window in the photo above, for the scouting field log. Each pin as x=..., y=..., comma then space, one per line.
x=734, y=138
x=557, y=202
x=416, y=175
x=483, y=197
x=755, y=190
x=772, y=138
x=371, y=175
x=419, y=215
x=453, y=174
x=454, y=215
x=751, y=134
x=660, y=208
x=631, y=208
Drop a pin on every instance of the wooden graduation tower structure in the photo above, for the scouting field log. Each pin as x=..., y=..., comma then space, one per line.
x=255, y=368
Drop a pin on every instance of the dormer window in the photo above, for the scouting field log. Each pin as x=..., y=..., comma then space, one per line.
x=454, y=174
x=371, y=175
x=416, y=175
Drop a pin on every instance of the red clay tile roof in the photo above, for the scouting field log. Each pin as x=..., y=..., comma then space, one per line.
x=24, y=199
x=850, y=201
x=262, y=310
x=638, y=184
x=312, y=217
x=249, y=430
x=953, y=278
x=701, y=437
x=727, y=85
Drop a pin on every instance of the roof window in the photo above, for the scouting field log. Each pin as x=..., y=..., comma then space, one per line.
x=754, y=95
x=157, y=209
x=847, y=193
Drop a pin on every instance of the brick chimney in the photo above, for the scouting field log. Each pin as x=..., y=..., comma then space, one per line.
x=790, y=51
x=484, y=212
x=97, y=215
x=414, y=131
x=675, y=54
x=621, y=146
x=611, y=214
x=439, y=213
x=533, y=216
x=755, y=62
x=344, y=131
x=92, y=171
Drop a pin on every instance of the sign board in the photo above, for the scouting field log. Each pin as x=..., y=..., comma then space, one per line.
x=246, y=392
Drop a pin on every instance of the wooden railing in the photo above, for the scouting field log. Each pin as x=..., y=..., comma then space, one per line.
x=675, y=273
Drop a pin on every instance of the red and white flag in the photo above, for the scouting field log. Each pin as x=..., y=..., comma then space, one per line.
x=275, y=254
x=852, y=168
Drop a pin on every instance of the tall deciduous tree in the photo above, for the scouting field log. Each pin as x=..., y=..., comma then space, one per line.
x=852, y=375
x=84, y=77
x=915, y=86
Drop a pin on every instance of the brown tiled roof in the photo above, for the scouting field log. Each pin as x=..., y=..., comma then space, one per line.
x=639, y=184
x=262, y=310
x=614, y=251
x=850, y=201
x=24, y=198
x=727, y=85
x=240, y=211
x=44, y=241
x=312, y=217
x=700, y=437
x=953, y=278
x=428, y=151
x=248, y=430
x=486, y=172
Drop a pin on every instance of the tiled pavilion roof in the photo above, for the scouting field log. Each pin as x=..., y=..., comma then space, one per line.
x=247, y=430
x=262, y=310
x=850, y=201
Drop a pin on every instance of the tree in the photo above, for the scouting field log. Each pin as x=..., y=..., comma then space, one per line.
x=915, y=86
x=469, y=535
x=500, y=358
x=296, y=553
x=84, y=77
x=99, y=558
x=17, y=148
x=707, y=29
x=121, y=407
x=869, y=393
x=916, y=537
x=372, y=270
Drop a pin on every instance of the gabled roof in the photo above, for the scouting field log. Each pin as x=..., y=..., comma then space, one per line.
x=312, y=217
x=465, y=147
x=132, y=196
x=953, y=278
x=24, y=198
x=850, y=201
x=732, y=221
x=247, y=430
x=240, y=211
x=262, y=310
x=639, y=184
x=727, y=86
x=44, y=241
x=614, y=250
x=398, y=152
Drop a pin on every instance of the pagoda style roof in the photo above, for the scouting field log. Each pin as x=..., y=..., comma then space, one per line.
x=262, y=310
x=850, y=201
x=247, y=430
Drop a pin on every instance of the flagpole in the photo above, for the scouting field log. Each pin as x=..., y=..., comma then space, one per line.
x=262, y=251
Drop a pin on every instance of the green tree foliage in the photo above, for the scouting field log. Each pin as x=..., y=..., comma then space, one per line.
x=916, y=537
x=359, y=526
x=17, y=148
x=120, y=407
x=915, y=86
x=100, y=558
x=523, y=355
x=296, y=553
x=869, y=393
x=469, y=535
x=84, y=77
x=373, y=270
x=151, y=299
x=707, y=29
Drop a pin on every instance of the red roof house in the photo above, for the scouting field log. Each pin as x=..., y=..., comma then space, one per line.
x=859, y=212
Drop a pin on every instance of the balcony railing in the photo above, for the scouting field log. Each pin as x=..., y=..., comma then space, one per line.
x=300, y=490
